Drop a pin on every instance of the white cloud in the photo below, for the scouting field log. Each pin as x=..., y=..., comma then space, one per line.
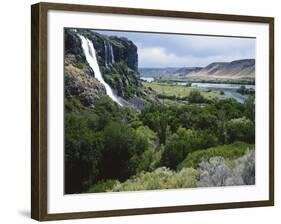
x=158, y=57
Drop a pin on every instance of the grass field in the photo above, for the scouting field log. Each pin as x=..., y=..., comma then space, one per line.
x=179, y=91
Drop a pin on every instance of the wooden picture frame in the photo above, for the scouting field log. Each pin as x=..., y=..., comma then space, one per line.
x=39, y=110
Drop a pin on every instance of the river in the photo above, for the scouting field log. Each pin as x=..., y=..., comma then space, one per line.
x=229, y=89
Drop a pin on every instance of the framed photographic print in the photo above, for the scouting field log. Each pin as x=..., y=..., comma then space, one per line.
x=138, y=111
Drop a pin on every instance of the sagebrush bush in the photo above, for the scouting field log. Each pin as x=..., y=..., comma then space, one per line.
x=245, y=167
x=101, y=186
x=220, y=172
x=161, y=178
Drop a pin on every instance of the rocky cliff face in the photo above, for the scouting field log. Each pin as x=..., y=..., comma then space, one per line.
x=118, y=62
x=80, y=85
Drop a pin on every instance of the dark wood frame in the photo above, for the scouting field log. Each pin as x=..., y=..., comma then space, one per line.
x=39, y=110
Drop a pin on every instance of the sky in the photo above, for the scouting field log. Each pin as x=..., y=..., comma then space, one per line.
x=174, y=50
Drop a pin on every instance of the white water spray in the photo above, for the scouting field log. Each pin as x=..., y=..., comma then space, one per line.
x=90, y=54
x=108, y=54
x=112, y=55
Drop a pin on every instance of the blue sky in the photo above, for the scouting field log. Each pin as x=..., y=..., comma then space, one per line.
x=170, y=50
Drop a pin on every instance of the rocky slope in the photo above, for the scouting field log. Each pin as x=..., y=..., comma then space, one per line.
x=187, y=70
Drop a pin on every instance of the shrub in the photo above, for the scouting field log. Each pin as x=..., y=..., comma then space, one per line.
x=80, y=65
x=102, y=186
x=149, y=160
x=219, y=172
x=231, y=151
x=196, y=97
x=245, y=167
x=161, y=178
x=244, y=91
x=215, y=172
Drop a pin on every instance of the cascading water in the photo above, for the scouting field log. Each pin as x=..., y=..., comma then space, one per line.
x=90, y=54
x=105, y=55
x=112, y=55
x=108, y=54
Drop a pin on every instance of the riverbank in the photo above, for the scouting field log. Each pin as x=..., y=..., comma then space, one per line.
x=208, y=90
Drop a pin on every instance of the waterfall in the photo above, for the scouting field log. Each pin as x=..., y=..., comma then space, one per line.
x=90, y=54
x=108, y=54
x=112, y=55
x=105, y=54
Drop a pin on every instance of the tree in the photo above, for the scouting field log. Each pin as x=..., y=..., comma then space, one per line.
x=196, y=97
x=144, y=139
x=82, y=153
x=162, y=126
x=204, y=120
x=249, y=105
x=230, y=106
x=156, y=118
x=222, y=133
x=242, y=90
x=180, y=144
x=119, y=148
x=240, y=129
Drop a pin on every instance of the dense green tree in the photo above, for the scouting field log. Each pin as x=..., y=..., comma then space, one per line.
x=196, y=97
x=144, y=139
x=82, y=153
x=240, y=129
x=249, y=105
x=244, y=91
x=108, y=111
x=180, y=144
x=221, y=131
x=183, y=142
x=119, y=148
x=204, y=120
x=230, y=106
x=156, y=118
x=206, y=139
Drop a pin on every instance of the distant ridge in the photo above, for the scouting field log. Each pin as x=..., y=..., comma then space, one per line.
x=238, y=69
